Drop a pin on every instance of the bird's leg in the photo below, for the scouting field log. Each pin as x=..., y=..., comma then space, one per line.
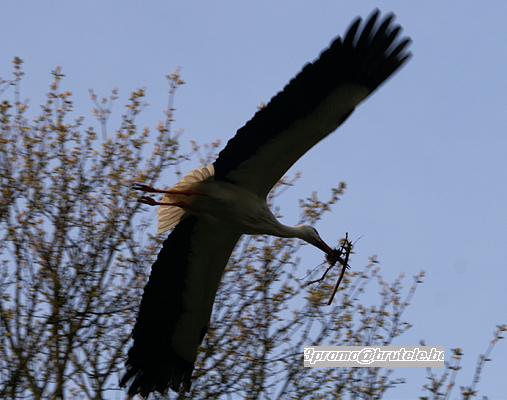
x=150, y=189
x=152, y=202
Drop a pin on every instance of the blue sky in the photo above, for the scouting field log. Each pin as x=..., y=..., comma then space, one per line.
x=424, y=158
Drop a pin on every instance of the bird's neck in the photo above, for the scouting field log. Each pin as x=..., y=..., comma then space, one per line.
x=286, y=231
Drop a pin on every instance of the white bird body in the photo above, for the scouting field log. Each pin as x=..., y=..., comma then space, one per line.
x=225, y=204
x=212, y=206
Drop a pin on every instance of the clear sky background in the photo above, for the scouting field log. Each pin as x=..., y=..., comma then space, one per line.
x=425, y=158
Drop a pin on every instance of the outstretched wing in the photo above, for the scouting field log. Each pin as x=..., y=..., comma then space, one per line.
x=176, y=306
x=312, y=105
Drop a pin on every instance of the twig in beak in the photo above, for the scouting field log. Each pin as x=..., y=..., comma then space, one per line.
x=334, y=256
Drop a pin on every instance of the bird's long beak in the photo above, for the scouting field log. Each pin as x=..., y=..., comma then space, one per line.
x=325, y=248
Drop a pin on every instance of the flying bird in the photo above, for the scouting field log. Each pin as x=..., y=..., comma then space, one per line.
x=213, y=206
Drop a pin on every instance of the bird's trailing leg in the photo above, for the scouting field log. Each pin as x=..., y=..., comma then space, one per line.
x=152, y=202
x=150, y=189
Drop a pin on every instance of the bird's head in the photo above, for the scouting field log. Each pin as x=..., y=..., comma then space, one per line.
x=310, y=235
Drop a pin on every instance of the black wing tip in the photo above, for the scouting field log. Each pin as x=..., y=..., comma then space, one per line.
x=376, y=48
x=153, y=364
x=367, y=56
x=176, y=374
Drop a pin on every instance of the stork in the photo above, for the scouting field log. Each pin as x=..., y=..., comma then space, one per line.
x=213, y=206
